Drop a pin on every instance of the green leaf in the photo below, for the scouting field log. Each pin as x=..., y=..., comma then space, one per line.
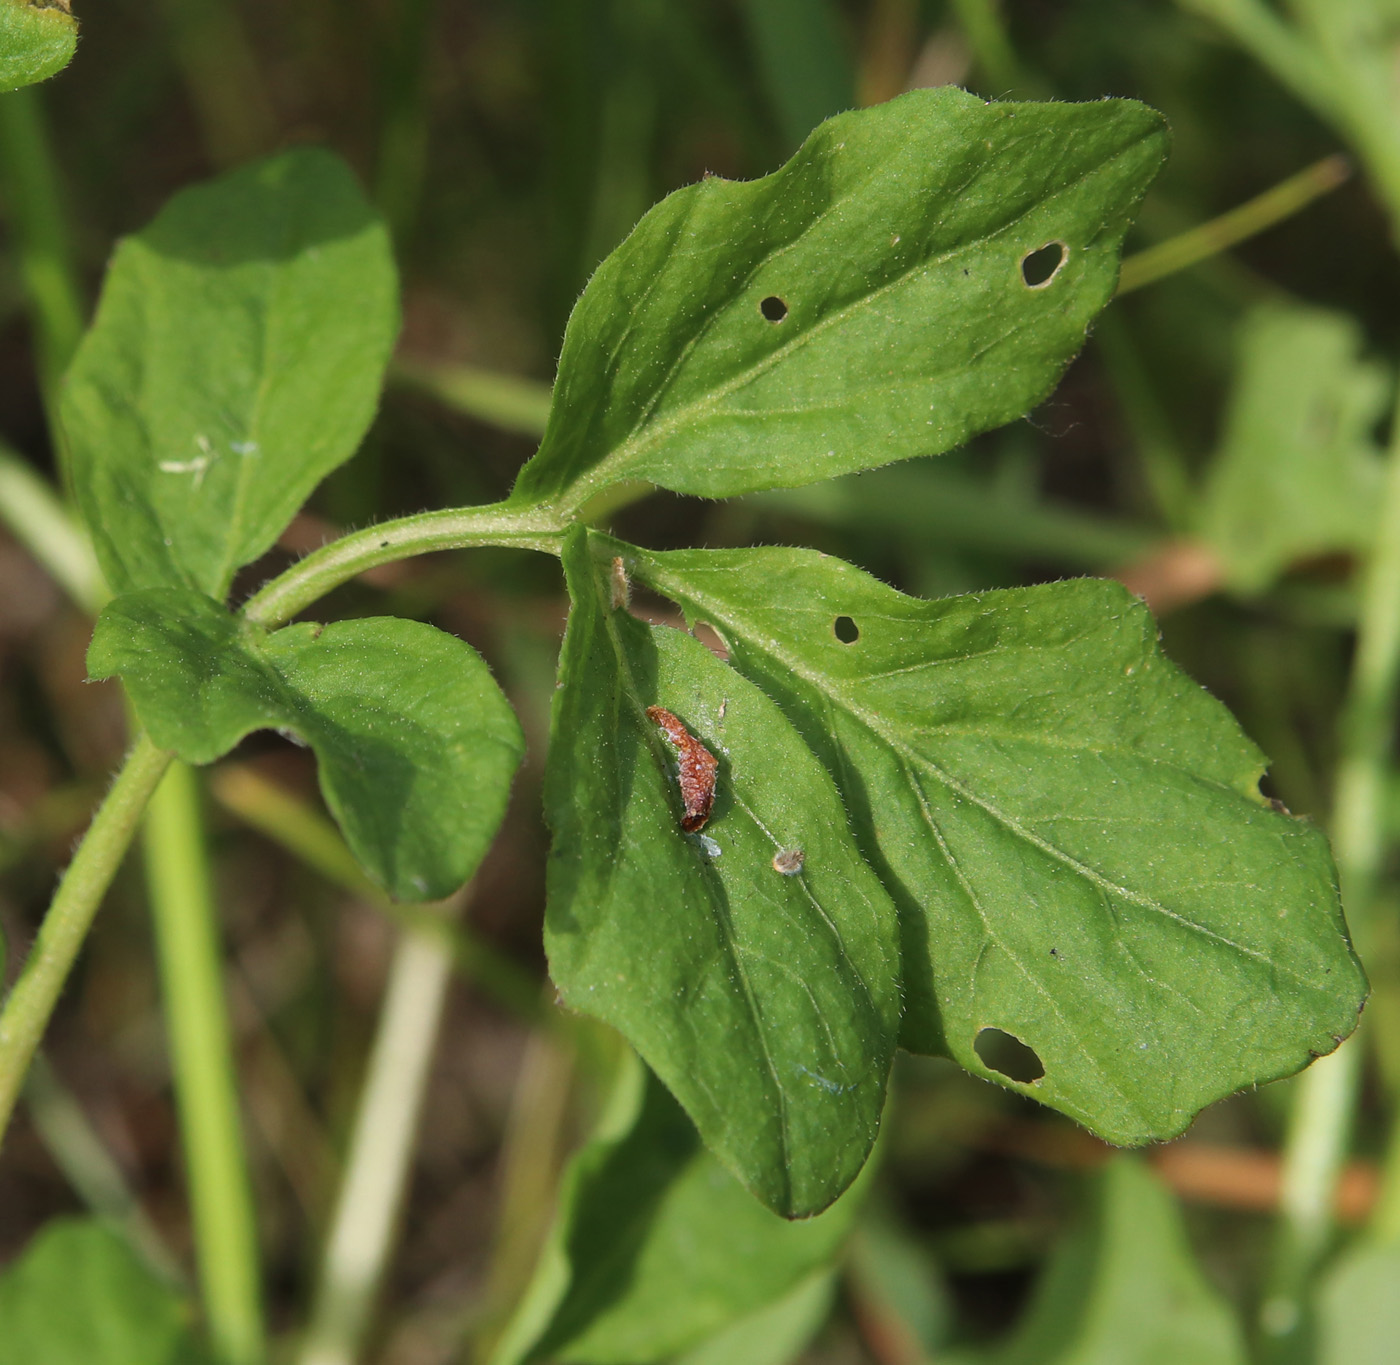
x=1358, y=1310
x=768, y=1003
x=235, y=361
x=775, y=1334
x=657, y=1248
x=1298, y=473
x=79, y=1296
x=1072, y=829
x=415, y=742
x=37, y=40
x=1124, y=1288
x=863, y=304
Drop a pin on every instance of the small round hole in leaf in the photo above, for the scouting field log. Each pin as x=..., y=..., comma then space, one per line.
x=846, y=630
x=1041, y=266
x=773, y=308
x=1008, y=1055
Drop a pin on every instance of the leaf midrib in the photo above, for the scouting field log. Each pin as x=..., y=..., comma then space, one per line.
x=613, y=464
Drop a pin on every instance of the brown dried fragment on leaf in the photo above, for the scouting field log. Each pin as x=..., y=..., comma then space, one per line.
x=698, y=767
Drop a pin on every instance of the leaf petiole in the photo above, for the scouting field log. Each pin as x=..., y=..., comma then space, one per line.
x=501, y=523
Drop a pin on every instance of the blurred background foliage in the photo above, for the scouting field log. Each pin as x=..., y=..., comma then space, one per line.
x=511, y=144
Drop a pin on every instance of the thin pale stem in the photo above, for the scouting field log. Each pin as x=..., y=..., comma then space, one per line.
x=206, y=1086
x=381, y=1151
x=1322, y=1113
x=82, y=1156
x=311, y=838
x=31, y=1003
x=532, y=528
x=34, y=515
x=1238, y=225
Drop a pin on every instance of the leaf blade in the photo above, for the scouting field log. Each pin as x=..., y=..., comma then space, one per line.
x=415, y=743
x=1071, y=827
x=235, y=360
x=37, y=40
x=821, y=320
x=767, y=1003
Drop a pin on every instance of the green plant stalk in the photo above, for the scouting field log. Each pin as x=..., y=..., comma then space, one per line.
x=27, y=1009
x=90, y=1169
x=313, y=840
x=221, y=78
x=1322, y=1113
x=33, y=514
x=402, y=155
x=500, y=400
x=1238, y=225
x=206, y=1088
x=381, y=1151
x=982, y=27
x=501, y=523
x=1274, y=44
x=39, y=226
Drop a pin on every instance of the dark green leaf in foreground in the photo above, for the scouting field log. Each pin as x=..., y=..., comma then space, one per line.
x=415, y=742
x=768, y=1003
x=79, y=1296
x=658, y=1248
x=37, y=40
x=1124, y=1288
x=1298, y=473
x=863, y=304
x=235, y=361
x=1072, y=828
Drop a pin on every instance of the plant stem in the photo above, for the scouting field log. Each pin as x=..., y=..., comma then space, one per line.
x=312, y=839
x=991, y=50
x=31, y=1002
x=381, y=1150
x=39, y=225
x=500, y=400
x=501, y=523
x=90, y=1168
x=206, y=1088
x=1322, y=1112
x=37, y=519
x=1239, y=224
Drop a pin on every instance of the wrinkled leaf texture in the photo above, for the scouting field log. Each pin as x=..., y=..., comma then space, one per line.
x=769, y=1004
x=1072, y=830
x=415, y=743
x=863, y=304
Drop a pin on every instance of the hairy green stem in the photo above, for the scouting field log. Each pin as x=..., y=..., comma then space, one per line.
x=29, y=1005
x=1322, y=1113
x=381, y=1151
x=206, y=1087
x=501, y=523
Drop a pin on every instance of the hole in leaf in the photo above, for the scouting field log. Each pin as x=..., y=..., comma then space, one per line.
x=773, y=308
x=846, y=630
x=1007, y=1055
x=1041, y=266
